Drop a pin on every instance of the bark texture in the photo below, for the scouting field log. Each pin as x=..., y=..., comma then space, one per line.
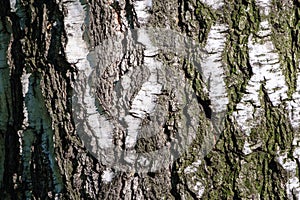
x=251, y=46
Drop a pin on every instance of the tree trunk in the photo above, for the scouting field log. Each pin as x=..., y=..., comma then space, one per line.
x=204, y=92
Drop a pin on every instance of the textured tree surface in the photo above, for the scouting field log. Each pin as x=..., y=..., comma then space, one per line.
x=253, y=46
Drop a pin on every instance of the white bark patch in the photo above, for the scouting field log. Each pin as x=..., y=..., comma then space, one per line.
x=77, y=52
x=107, y=176
x=246, y=149
x=293, y=185
x=142, y=93
x=196, y=185
x=76, y=49
x=249, y=147
x=266, y=69
x=95, y=123
x=128, y=102
x=145, y=101
x=141, y=8
x=25, y=88
x=293, y=106
x=200, y=188
x=212, y=67
x=13, y=5
x=215, y=4
x=193, y=167
x=290, y=165
x=33, y=98
x=264, y=6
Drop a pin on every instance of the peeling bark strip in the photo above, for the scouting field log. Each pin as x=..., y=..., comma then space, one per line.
x=249, y=66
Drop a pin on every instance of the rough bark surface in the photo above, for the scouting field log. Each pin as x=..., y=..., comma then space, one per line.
x=252, y=46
